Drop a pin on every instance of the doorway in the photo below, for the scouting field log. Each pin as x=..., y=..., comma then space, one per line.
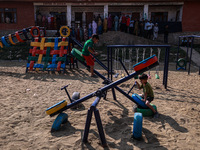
x=78, y=18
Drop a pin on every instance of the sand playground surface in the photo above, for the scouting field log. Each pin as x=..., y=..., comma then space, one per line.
x=24, y=97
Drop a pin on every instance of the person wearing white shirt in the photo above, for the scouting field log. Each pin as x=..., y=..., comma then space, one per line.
x=155, y=31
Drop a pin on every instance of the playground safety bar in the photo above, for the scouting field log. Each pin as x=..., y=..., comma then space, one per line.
x=105, y=88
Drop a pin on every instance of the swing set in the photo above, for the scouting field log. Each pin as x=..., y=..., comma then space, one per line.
x=124, y=56
x=188, y=42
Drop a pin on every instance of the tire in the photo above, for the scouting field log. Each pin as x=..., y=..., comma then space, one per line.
x=181, y=62
x=146, y=112
x=60, y=119
x=137, y=125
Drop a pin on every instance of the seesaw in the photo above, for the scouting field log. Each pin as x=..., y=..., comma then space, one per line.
x=144, y=65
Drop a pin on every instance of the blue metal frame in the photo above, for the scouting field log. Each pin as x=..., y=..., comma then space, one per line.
x=98, y=121
x=191, y=49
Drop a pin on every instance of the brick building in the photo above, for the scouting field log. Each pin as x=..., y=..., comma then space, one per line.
x=17, y=14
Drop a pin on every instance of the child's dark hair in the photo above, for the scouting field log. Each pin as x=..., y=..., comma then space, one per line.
x=95, y=36
x=143, y=76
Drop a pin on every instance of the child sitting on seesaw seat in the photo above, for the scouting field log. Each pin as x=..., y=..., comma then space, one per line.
x=88, y=48
x=148, y=95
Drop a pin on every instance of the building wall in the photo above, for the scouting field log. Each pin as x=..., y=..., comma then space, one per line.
x=172, y=10
x=25, y=15
x=191, y=17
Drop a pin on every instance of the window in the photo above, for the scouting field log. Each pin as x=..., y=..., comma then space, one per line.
x=159, y=16
x=8, y=15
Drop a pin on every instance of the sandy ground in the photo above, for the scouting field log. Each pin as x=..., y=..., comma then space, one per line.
x=25, y=97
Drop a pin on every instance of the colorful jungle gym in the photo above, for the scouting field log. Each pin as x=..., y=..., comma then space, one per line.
x=46, y=53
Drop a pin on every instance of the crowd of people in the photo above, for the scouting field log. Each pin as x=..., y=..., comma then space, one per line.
x=128, y=24
x=124, y=23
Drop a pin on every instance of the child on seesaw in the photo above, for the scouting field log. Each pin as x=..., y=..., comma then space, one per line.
x=148, y=95
x=88, y=49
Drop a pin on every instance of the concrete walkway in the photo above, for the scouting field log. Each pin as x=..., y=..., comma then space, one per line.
x=195, y=55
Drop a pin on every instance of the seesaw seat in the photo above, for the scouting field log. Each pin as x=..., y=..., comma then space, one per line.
x=142, y=108
x=139, y=101
x=76, y=53
x=145, y=63
x=56, y=107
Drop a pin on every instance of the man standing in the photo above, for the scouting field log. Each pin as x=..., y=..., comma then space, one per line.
x=166, y=32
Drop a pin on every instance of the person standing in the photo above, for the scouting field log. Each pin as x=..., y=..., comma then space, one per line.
x=85, y=33
x=116, y=20
x=136, y=27
x=94, y=27
x=110, y=23
x=105, y=25
x=123, y=23
x=166, y=33
x=155, y=31
x=90, y=30
x=99, y=26
x=131, y=26
x=150, y=29
x=146, y=28
x=87, y=50
x=127, y=23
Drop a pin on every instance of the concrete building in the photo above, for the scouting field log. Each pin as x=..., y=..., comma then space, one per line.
x=18, y=14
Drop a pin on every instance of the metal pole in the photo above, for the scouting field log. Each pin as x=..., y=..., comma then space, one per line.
x=167, y=67
x=187, y=55
x=108, y=63
x=100, y=127
x=178, y=51
x=123, y=66
x=111, y=63
x=165, y=61
x=87, y=125
x=190, y=55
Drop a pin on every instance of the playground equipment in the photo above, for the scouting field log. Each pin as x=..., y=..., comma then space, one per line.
x=181, y=63
x=142, y=108
x=125, y=55
x=22, y=36
x=139, y=68
x=136, y=49
x=48, y=54
x=137, y=126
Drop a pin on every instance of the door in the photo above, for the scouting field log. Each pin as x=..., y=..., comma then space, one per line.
x=89, y=18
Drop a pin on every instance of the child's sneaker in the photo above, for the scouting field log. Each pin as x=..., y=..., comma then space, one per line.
x=156, y=115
